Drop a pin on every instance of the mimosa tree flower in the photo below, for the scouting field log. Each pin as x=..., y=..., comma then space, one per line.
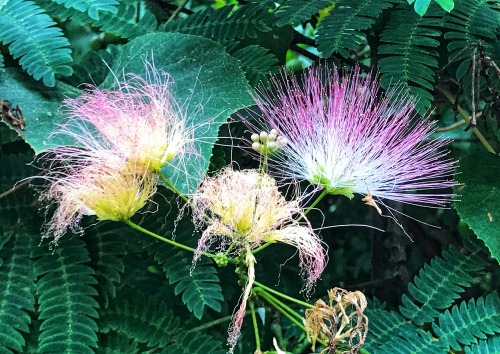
x=245, y=209
x=342, y=137
x=139, y=119
x=94, y=183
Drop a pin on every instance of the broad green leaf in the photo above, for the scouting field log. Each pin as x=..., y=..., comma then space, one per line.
x=479, y=204
x=208, y=82
x=40, y=106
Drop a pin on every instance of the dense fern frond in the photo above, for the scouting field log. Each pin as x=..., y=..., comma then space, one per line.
x=124, y=24
x=469, y=22
x=18, y=204
x=409, y=55
x=92, y=7
x=200, y=287
x=384, y=326
x=106, y=244
x=294, y=12
x=413, y=342
x=490, y=346
x=439, y=284
x=469, y=322
x=117, y=343
x=94, y=67
x=63, y=13
x=146, y=320
x=256, y=62
x=65, y=295
x=225, y=23
x=43, y=49
x=17, y=284
x=341, y=30
x=188, y=343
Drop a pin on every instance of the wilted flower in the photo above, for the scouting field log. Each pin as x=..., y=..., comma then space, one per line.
x=340, y=136
x=243, y=210
x=140, y=119
x=341, y=320
x=94, y=183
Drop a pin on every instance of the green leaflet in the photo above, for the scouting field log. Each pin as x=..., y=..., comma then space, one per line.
x=42, y=48
x=479, y=205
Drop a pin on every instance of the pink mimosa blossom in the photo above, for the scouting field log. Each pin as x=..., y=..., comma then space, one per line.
x=338, y=134
x=242, y=210
x=93, y=183
x=139, y=119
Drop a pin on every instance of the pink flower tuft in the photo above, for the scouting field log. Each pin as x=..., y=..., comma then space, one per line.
x=93, y=183
x=139, y=120
x=339, y=135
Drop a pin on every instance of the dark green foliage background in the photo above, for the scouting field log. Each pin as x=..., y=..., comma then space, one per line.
x=113, y=290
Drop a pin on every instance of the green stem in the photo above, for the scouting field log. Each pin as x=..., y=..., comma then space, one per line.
x=260, y=248
x=310, y=207
x=255, y=327
x=283, y=309
x=267, y=297
x=284, y=306
x=213, y=323
x=161, y=238
x=286, y=297
x=466, y=118
x=172, y=187
x=177, y=10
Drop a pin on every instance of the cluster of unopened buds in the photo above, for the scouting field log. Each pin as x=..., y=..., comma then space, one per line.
x=267, y=143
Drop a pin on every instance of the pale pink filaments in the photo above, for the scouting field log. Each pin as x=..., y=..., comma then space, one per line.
x=93, y=183
x=241, y=210
x=140, y=119
x=343, y=137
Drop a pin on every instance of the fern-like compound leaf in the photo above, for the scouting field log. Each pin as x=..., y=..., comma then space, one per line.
x=124, y=23
x=186, y=343
x=17, y=284
x=199, y=286
x=43, y=50
x=489, y=346
x=145, y=319
x=439, y=284
x=469, y=22
x=117, y=343
x=92, y=7
x=342, y=30
x=294, y=12
x=385, y=326
x=409, y=53
x=19, y=203
x=225, y=23
x=413, y=342
x=63, y=13
x=106, y=244
x=256, y=62
x=66, y=297
x=467, y=323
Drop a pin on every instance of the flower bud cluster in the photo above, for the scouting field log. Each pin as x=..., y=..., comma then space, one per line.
x=267, y=143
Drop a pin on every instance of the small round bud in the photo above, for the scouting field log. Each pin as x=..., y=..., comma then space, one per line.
x=272, y=146
x=263, y=136
x=257, y=147
x=281, y=141
x=255, y=137
x=272, y=136
x=273, y=132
